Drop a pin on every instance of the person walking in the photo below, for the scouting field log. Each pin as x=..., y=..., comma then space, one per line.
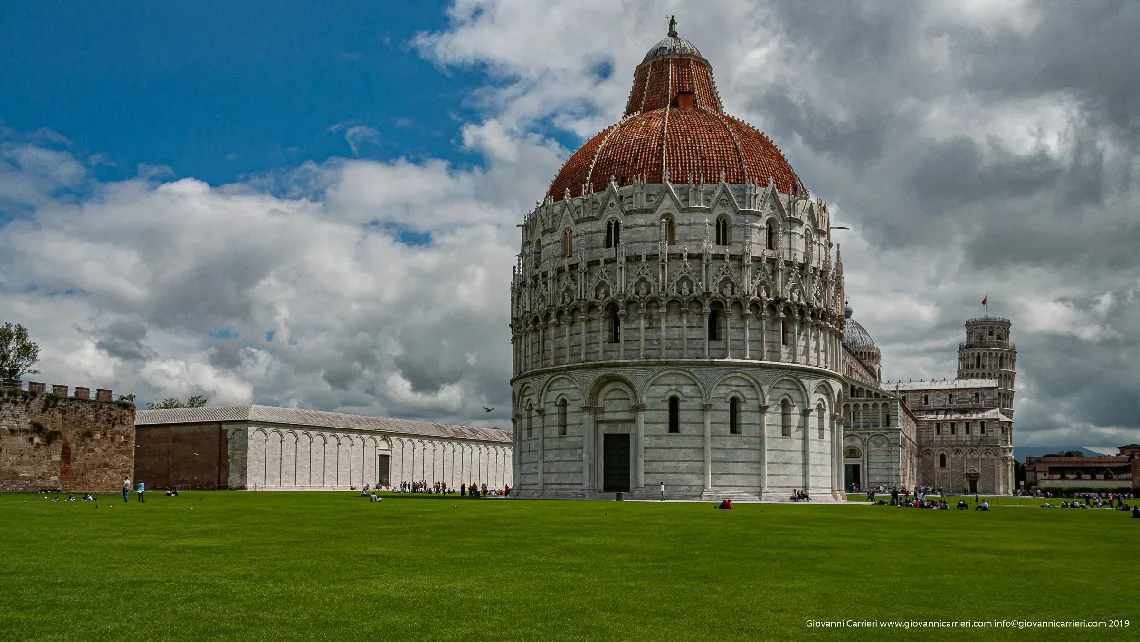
x=140, y=488
x=662, y=491
x=126, y=490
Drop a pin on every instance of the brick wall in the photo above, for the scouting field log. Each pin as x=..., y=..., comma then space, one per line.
x=53, y=442
x=182, y=456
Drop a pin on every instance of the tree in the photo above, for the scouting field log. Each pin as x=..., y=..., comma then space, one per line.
x=196, y=401
x=17, y=353
x=1108, y=474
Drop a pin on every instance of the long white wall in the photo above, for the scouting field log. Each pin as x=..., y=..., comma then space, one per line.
x=280, y=458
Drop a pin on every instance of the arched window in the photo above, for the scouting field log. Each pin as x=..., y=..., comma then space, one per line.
x=967, y=425
x=670, y=231
x=722, y=231
x=674, y=414
x=786, y=417
x=982, y=427
x=537, y=253
x=926, y=400
x=567, y=243
x=613, y=233
x=529, y=420
x=977, y=361
x=714, y=325
x=562, y=417
x=770, y=235
x=953, y=428
x=937, y=429
x=942, y=460
x=615, y=326
x=977, y=397
x=785, y=331
x=951, y=397
x=819, y=421
x=887, y=417
x=734, y=416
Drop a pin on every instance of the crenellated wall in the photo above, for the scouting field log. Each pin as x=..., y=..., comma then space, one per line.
x=50, y=441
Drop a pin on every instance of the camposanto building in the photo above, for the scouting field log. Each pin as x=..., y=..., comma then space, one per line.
x=270, y=448
x=677, y=316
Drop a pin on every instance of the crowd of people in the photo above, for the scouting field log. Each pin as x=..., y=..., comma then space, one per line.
x=440, y=488
x=1096, y=500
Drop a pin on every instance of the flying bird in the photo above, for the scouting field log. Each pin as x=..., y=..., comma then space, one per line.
x=487, y=409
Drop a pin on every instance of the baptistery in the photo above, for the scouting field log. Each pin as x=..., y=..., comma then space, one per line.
x=676, y=314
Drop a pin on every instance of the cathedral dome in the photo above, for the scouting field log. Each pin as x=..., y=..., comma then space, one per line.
x=675, y=124
x=855, y=336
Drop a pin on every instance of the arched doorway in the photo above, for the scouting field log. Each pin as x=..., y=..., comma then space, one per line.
x=852, y=469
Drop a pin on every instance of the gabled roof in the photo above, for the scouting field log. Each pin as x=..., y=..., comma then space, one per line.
x=961, y=415
x=942, y=384
x=315, y=419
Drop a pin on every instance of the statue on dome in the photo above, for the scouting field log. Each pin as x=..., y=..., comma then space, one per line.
x=673, y=26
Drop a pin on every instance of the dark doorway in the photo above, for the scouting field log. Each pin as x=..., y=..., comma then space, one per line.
x=973, y=484
x=615, y=449
x=851, y=476
x=383, y=469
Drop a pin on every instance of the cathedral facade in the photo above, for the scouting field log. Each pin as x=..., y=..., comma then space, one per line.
x=954, y=434
x=677, y=310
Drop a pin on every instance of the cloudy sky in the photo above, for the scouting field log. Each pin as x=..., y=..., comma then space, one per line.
x=316, y=207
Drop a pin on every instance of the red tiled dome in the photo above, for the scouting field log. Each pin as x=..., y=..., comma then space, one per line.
x=674, y=121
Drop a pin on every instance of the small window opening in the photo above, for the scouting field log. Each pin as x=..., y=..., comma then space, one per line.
x=734, y=416
x=674, y=414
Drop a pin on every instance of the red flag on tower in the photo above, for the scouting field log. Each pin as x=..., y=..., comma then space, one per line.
x=984, y=300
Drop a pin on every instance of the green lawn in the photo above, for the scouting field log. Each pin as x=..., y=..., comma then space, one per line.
x=333, y=566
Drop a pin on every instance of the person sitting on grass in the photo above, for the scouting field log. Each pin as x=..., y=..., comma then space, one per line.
x=962, y=505
x=1136, y=511
x=725, y=505
x=984, y=506
x=70, y=497
x=88, y=498
x=375, y=499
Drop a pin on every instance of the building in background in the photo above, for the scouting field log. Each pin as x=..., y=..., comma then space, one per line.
x=954, y=434
x=1109, y=473
x=269, y=448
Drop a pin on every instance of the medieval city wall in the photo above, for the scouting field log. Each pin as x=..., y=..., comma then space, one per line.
x=73, y=444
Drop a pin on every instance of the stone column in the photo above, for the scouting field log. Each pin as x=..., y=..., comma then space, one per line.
x=685, y=331
x=763, y=450
x=587, y=448
x=639, y=447
x=707, y=313
x=661, y=320
x=747, y=323
x=807, y=341
x=727, y=334
x=840, y=473
x=763, y=335
x=541, y=446
x=569, y=322
x=601, y=335
x=582, y=318
x=541, y=344
x=707, y=408
x=554, y=342
x=807, y=449
x=517, y=448
x=796, y=340
x=641, y=331
x=621, y=334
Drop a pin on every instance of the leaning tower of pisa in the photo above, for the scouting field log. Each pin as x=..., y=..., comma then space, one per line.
x=988, y=354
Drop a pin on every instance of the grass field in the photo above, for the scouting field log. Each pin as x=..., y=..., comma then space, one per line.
x=333, y=566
